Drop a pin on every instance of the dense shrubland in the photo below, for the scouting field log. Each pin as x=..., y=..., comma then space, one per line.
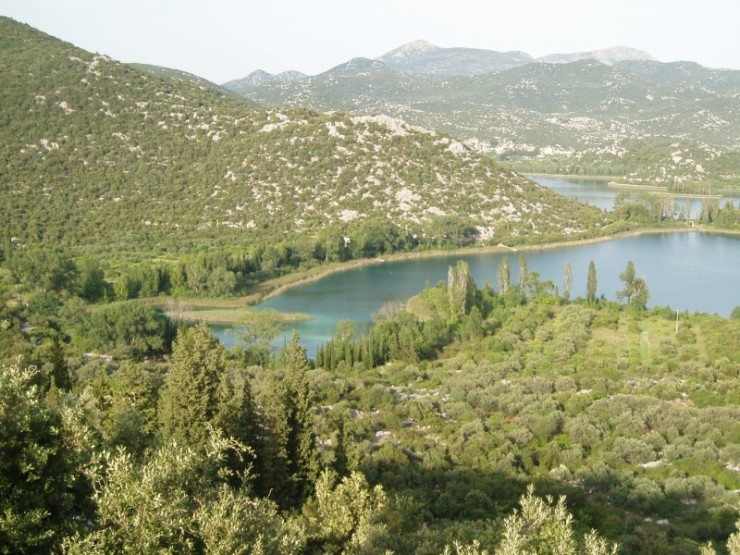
x=420, y=436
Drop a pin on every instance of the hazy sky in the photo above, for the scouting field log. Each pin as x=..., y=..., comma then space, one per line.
x=227, y=39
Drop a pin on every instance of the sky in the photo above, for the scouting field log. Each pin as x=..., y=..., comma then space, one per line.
x=228, y=39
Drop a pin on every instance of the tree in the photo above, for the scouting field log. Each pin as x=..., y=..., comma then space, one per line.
x=259, y=330
x=567, y=280
x=345, y=517
x=504, y=275
x=92, y=285
x=733, y=544
x=46, y=270
x=522, y=272
x=540, y=527
x=130, y=327
x=177, y=502
x=38, y=466
x=591, y=283
x=129, y=418
x=221, y=282
x=635, y=288
x=197, y=277
x=189, y=400
x=460, y=288
x=293, y=459
x=628, y=277
x=642, y=293
x=123, y=288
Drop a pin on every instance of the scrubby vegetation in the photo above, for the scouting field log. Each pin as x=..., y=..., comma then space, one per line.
x=421, y=436
x=102, y=157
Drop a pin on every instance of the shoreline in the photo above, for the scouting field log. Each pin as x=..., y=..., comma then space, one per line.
x=613, y=181
x=573, y=176
x=277, y=286
x=395, y=257
x=658, y=189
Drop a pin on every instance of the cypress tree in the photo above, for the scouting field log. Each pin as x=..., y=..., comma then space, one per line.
x=567, y=280
x=591, y=282
x=292, y=446
x=189, y=400
x=504, y=275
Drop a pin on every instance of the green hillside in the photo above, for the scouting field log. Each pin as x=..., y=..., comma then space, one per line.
x=94, y=151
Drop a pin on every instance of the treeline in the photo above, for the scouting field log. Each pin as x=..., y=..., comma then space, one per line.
x=217, y=271
x=460, y=311
x=654, y=208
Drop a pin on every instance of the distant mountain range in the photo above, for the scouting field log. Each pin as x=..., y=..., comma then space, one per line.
x=615, y=111
x=427, y=59
x=260, y=77
x=424, y=58
x=609, y=56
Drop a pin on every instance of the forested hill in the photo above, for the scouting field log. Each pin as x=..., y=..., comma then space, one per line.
x=95, y=151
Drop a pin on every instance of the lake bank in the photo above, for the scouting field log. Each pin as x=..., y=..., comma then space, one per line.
x=571, y=176
x=300, y=279
x=686, y=271
x=662, y=190
x=277, y=286
x=239, y=309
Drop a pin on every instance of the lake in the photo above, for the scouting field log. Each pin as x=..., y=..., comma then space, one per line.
x=690, y=271
x=596, y=192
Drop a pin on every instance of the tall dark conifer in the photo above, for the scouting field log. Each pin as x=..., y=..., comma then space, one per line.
x=201, y=395
x=591, y=282
x=189, y=399
x=293, y=465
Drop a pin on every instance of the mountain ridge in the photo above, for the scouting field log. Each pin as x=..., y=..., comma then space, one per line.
x=260, y=77
x=424, y=58
x=608, y=56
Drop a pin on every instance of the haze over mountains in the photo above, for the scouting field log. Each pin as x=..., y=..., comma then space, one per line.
x=615, y=111
x=425, y=58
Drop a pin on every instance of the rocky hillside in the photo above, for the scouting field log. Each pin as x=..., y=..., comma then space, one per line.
x=94, y=152
x=579, y=117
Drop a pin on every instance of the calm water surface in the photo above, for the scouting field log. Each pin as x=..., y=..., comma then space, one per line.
x=687, y=271
x=596, y=192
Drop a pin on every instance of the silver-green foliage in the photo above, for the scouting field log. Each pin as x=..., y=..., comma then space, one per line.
x=540, y=527
x=177, y=502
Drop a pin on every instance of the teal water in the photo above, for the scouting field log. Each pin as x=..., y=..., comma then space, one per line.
x=597, y=193
x=594, y=192
x=687, y=271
